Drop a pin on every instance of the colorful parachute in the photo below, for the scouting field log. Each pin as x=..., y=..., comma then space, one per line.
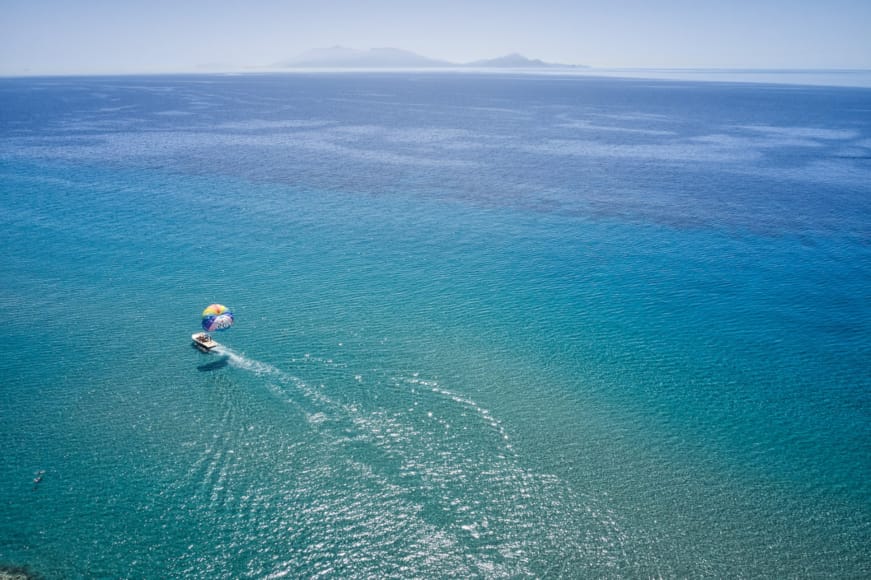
x=217, y=317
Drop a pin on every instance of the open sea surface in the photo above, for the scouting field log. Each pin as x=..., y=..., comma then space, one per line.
x=486, y=326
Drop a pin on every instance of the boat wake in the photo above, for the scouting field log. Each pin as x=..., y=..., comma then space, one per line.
x=420, y=480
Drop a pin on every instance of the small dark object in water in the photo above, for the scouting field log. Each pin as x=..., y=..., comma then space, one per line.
x=38, y=479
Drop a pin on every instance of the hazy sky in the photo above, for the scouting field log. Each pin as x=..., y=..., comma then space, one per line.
x=81, y=36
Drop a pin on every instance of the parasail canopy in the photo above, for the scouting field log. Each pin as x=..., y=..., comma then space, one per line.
x=217, y=317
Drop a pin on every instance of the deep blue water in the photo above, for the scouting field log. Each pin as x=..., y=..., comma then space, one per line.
x=487, y=326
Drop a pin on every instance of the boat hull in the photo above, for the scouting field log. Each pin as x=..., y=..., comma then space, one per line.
x=203, y=341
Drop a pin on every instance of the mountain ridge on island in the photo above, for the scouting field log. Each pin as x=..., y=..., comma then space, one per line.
x=513, y=60
x=387, y=58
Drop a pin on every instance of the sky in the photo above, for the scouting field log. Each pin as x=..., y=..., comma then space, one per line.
x=129, y=36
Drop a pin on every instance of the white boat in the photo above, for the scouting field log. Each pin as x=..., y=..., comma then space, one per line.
x=203, y=341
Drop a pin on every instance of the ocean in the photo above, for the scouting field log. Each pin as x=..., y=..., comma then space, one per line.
x=487, y=325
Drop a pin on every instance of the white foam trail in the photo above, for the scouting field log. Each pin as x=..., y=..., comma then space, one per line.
x=485, y=494
x=243, y=362
x=263, y=369
x=466, y=402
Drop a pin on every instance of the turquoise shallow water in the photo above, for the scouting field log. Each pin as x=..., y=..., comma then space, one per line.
x=490, y=327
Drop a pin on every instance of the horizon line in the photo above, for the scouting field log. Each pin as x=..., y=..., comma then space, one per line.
x=628, y=72
x=552, y=67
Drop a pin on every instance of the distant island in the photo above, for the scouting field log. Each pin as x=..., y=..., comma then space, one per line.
x=386, y=58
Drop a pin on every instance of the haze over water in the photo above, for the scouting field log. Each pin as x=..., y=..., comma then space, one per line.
x=486, y=326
